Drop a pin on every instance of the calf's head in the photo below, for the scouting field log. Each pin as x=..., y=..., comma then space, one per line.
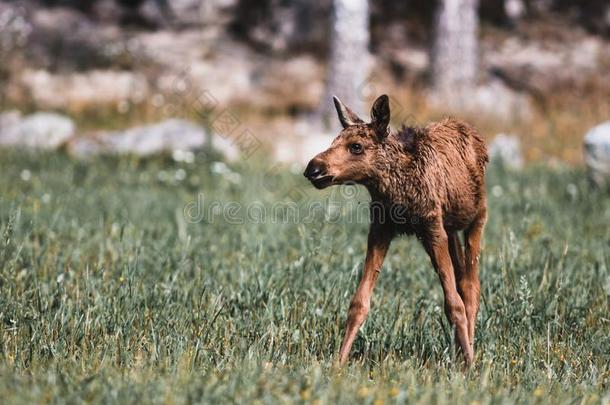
x=352, y=154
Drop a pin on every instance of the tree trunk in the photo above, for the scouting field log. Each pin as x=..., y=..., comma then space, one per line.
x=348, y=65
x=454, y=53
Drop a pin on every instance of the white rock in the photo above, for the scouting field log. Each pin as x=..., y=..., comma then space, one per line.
x=302, y=149
x=79, y=90
x=492, y=99
x=298, y=142
x=193, y=72
x=506, y=149
x=166, y=136
x=528, y=63
x=597, y=154
x=176, y=137
x=496, y=99
x=85, y=146
x=9, y=119
x=226, y=148
x=38, y=131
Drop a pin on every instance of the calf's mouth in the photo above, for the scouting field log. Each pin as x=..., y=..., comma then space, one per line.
x=322, y=181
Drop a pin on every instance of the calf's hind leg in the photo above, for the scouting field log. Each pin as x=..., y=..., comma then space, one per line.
x=457, y=259
x=436, y=242
x=457, y=254
x=468, y=281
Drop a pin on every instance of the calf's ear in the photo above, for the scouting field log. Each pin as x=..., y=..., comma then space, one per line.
x=380, y=115
x=346, y=116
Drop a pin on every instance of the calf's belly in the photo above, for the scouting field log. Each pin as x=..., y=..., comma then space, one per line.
x=457, y=220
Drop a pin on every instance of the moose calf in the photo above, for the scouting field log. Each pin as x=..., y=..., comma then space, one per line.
x=424, y=181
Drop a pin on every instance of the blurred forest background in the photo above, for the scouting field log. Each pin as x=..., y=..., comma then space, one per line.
x=533, y=71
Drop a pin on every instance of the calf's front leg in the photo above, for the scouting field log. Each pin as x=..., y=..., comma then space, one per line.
x=378, y=244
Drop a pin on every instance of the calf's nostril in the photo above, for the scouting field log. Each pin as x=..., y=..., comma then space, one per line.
x=312, y=171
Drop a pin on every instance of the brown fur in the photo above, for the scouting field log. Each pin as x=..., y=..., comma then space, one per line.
x=424, y=181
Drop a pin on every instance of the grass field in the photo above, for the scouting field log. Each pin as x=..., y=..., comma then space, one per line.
x=109, y=292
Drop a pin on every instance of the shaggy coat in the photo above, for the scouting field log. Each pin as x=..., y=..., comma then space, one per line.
x=424, y=171
x=425, y=181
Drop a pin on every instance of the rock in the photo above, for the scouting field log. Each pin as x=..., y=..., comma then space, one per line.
x=597, y=154
x=307, y=140
x=82, y=90
x=165, y=136
x=173, y=136
x=9, y=119
x=226, y=147
x=86, y=146
x=37, y=131
x=65, y=20
x=525, y=64
x=302, y=72
x=493, y=99
x=67, y=39
x=191, y=71
x=506, y=150
x=497, y=99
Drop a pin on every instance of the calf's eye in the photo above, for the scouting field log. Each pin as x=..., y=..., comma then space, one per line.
x=355, y=148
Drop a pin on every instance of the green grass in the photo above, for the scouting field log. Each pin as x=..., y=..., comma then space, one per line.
x=109, y=293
